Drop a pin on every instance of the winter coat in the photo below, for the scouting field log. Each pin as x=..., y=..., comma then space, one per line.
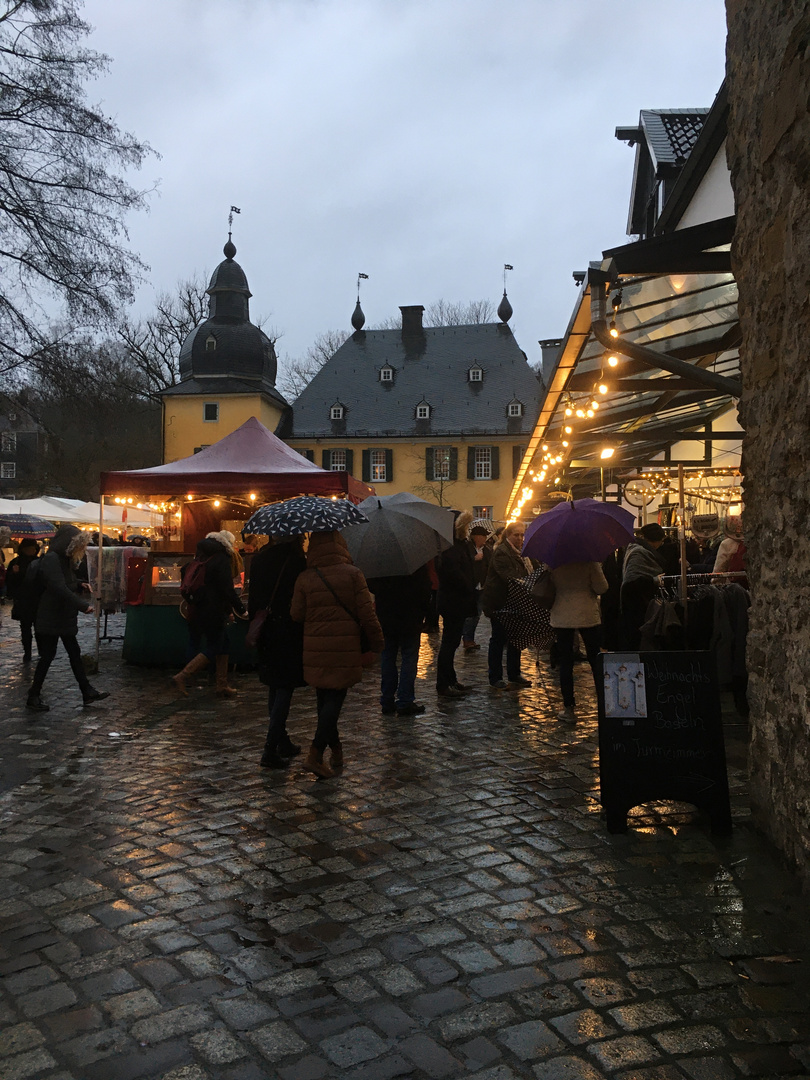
x=61, y=599
x=641, y=561
x=480, y=566
x=219, y=597
x=402, y=602
x=506, y=565
x=281, y=642
x=726, y=552
x=332, y=657
x=457, y=597
x=578, y=587
x=15, y=575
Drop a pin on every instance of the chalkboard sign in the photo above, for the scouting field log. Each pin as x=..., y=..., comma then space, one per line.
x=661, y=735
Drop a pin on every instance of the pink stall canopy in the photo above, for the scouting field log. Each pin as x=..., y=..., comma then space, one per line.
x=249, y=459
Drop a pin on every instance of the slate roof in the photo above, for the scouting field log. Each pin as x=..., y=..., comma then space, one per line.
x=671, y=133
x=431, y=367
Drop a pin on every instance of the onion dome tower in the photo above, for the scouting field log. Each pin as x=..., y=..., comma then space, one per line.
x=228, y=343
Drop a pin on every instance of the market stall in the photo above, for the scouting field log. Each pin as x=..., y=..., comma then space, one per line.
x=216, y=489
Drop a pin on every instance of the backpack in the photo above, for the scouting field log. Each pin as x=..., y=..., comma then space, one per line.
x=192, y=585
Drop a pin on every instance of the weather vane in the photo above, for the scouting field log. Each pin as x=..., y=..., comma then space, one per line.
x=234, y=210
x=360, y=277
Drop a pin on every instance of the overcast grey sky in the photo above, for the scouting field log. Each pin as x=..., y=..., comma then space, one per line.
x=423, y=142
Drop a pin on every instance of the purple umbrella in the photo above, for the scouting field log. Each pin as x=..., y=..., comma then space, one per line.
x=580, y=531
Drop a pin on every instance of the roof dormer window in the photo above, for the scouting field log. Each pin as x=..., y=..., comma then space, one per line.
x=475, y=374
x=514, y=408
x=386, y=373
x=423, y=411
x=337, y=411
x=210, y=343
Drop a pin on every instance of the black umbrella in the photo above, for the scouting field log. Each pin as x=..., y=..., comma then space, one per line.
x=527, y=624
x=304, y=514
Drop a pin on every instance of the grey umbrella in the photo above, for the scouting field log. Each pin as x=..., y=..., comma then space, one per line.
x=402, y=533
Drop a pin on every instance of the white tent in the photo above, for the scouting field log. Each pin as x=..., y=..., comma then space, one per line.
x=74, y=512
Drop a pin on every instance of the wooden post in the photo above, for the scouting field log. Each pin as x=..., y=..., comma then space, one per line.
x=682, y=545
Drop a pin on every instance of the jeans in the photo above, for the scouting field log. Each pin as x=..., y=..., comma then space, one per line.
x=278, y=707
x=47, y=644
x=451, y=639
x=471, y=624
x=330, y=702
x=216, y=639
x=397, y=687
x=495, y=654
x=591, y=639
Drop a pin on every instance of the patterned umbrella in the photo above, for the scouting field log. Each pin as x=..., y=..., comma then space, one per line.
x=304, y=514
x=582, y=531
x=27, y=527
x=527, y=624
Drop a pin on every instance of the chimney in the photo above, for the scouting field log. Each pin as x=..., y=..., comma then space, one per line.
x=412, y=319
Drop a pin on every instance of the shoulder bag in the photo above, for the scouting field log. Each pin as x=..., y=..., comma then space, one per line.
x=254, y=631
x=367, y=657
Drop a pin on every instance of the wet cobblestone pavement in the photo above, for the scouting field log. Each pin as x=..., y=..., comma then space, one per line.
x=450, y=906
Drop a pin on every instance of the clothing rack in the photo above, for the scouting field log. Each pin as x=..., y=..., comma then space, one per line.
x=677, y=586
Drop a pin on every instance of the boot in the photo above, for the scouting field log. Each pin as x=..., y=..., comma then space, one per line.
x=90, y=694
x=286, y=747
x=314, y=762
x=271, y=759
x=336, y=759
x=223, y=690
x=35, y=702
x=191, y=668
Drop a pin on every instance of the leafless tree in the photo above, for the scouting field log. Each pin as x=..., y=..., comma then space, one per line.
x=294, y=375
x=448, y=313
x=63, y=192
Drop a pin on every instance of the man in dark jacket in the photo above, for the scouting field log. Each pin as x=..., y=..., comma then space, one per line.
x=22, y=610
x=457, y=602
x=642, y=567
x=401, y=604
x=62, y=598
x=274, y=571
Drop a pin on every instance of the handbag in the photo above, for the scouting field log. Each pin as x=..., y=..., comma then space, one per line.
x=367, y=657
x=544, y=592
x=254, y=631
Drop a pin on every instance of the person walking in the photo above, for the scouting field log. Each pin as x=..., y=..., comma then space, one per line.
x=60, y=599
x=507, y=565
x=641, y=569
x=578, y=587
x=274, y=571
x=211, y=610
x=482, y=556
x=22, y=608
x=456, y=602
x=332, y=600
x=402, y=603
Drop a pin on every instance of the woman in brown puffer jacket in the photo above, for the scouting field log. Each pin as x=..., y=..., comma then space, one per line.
x=332, y=622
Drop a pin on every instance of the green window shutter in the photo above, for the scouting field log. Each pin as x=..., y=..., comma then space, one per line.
x=429, y=463
x=454, y=463
x=389, y=465
x=470, y=462
x=350, y=461
x=496, y=462
x=517, y=457
x=310, y=455
x=366, y=466
x=326, y=460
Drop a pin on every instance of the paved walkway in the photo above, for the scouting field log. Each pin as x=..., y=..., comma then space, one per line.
x=451, y=906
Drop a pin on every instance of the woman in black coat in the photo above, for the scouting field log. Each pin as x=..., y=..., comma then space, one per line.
x=273, y=573
x=60, y=599
x=208, y=616
x=22, y=610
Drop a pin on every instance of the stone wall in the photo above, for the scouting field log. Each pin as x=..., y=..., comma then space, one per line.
x=769, y=156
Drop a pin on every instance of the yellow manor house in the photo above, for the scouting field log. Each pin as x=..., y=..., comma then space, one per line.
x=444, y=412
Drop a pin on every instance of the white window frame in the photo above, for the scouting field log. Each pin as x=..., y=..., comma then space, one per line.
x=337, y=460
x=336, y=412
x=514, y=409
x=482, y=513
x=377, y=465
x=8, y=442
x=422, y=411
x=386, y=374
x=441, y=462
x=210, y=405
x=476, y=374
x=483, y=462
x=8, y=470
